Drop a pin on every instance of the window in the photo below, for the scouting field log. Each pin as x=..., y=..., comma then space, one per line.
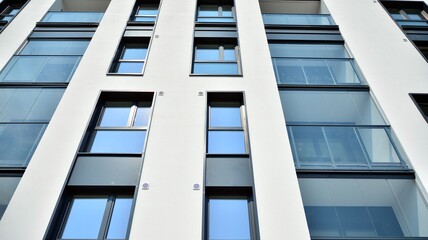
x=121, y=125
x=408, y=13
x=226, y=129
x=338, y=129
x=215, y=11
x=131, y=56
x=96, y=216
x=67, y=11
x=230, y=214
x=45, y=61
x=364, y=208
x=8, y=10
x=314, y=64
x=8, y=184
x=216, y=58
x=297, y=19
x=24, y=115
x=146, y=11
x=421, y=101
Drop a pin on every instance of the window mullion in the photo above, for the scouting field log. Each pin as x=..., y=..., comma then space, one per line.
x=106, y=218
x=132, y=114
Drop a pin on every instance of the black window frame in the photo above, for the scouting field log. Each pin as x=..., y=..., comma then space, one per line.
x=421, y=102
x=118, y=59
x=219, y=4
x=141, y=4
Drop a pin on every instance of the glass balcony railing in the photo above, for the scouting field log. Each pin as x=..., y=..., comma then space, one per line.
x=344, y=147
x=315, y=71
x=297, y=19
x=73, y=17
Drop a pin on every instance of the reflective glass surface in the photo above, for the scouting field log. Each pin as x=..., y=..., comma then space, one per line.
x=208, y=11
x=115, y=114
x=130, y=67
x=215, y=19
x=308, y=50
x=55, y=47
x=226, y=142
x=142, y=116
x=216, y=68
x=84, y=219
x=148, y=9
x=28, y=104
x=18, y=142
x=226, y=11
x=7, y=188
x=364, y=208
x=120, y=218
x=229, y=53
x=208, y=52
x=118, y=141
x=39, y=69
x=343, y=147
x=134, y=52
x=330, y=107
x=144, y=19
x=228, y=219
x=297, y=19
x=73, y=17
x=225, y=117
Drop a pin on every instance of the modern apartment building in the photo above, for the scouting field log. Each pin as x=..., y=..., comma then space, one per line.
x=213, y=119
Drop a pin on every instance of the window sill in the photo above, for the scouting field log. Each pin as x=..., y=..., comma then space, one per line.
x=110, y=154
x=215, y=75
x=125, y=74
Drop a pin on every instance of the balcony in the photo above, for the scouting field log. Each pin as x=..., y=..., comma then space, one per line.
x=297, y=19
x=344, y=147
x=72, y=17
x=315, y=71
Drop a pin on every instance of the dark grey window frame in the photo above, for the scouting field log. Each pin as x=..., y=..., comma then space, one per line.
x=220, y=4
x=140, y=4
x=146, y=41
x=232, y=193
x=228, y=99
x=6, y=5
x=135, y=97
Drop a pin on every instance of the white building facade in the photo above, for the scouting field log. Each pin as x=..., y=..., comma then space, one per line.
x=240, y=119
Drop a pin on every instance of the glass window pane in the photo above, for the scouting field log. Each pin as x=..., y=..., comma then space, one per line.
x=134, y=52
x=308, y=50
x=215, y=19
x=355, y=222
x=144, y=19
x=142, y=116
x=216, y=68
x=229, y=53
x=310, y=146
x=73, y=17
x=225, y=142
x=84, y=219
x=18, y=142
x=208, y=11
x=51, y=47
x=7, y=188
x=228, y=219
x=378, y=146
x=207, y=52
x=344, y=146
x=385, y=222
x=148, y=9
x=115, y=114
x=225, y=117
x=330, y=107
x=317, y=72
x=120, y=218
x=58, y=69
x=104, y=141
x=322, y=221
x=130, y=67
x=45, y=105
x=343, y=72
x=289, y=71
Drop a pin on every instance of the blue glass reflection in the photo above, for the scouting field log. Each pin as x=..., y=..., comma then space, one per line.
x=17, y=143
x=226, y=142
x=216, y=68
x=115, y=114
x=228, y=219
x=207, y=52
x=120, y=218
x=215, y=19
x=84, y=219
x=142, y=117
x=297, y=19
x=208, y=11
x=134, y=52
x=130, y=67
x=144, y=19
x=225, y=117
x=73, y=17
x=104, y=141
x=55, y=47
